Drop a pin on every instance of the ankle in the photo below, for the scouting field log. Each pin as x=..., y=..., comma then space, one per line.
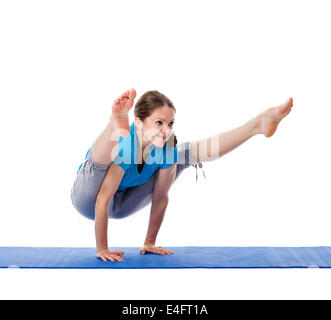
x=255, y=125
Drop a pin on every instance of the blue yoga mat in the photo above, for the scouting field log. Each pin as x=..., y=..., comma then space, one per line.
x=183, y=257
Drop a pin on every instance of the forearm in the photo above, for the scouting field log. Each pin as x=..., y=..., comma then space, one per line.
x=101, y=225
x=158, y=210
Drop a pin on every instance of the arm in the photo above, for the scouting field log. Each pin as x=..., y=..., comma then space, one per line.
x=160, y=201
x=108, y=188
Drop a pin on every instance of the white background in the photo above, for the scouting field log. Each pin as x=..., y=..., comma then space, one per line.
x=221, y=63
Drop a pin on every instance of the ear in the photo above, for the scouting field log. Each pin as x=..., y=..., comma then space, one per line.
x=138, y=123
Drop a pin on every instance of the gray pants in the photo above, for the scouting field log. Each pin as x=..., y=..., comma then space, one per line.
x=126, y=202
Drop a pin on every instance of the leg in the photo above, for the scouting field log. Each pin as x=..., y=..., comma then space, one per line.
x=216, y=146
x=124, y=203
x=105, y=148
x=86, y=186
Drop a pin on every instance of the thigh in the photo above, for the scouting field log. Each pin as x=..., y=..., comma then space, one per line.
x=86, y=186
x=132, y=199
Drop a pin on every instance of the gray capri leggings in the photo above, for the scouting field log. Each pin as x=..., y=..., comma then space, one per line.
x=126, y=202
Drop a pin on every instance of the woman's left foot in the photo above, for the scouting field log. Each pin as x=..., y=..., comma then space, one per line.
x=270, y=118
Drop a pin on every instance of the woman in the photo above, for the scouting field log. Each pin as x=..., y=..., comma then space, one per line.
x=130, y=166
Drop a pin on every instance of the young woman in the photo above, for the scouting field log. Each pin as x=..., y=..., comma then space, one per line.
x=130, y=166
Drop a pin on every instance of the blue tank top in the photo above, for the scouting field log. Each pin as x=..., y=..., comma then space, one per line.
x=127, y=159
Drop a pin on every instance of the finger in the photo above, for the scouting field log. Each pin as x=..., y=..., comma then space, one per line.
x=166, y=250
x=119, y=256
x=158, y=251
x=142, y=251
x=162, y=250
x=109, y=257
x=102, y=258
x=113, y=257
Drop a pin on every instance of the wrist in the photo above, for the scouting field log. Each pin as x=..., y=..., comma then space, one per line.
x=149, y=243
x=99, y=249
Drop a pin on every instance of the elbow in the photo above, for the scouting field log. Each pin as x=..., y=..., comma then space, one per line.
x=161, y=200
x=102, y=202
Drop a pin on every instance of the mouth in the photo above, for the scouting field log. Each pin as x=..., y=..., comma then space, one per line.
x=162, y=137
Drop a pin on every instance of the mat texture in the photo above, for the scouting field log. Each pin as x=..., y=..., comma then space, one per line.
x=183, y=257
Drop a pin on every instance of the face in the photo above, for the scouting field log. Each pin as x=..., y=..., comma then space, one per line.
x=158, y=127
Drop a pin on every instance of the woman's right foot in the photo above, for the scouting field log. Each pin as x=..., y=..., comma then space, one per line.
x=120, y=113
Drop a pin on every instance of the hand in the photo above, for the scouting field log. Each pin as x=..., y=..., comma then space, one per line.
x=152, y=249
x=105, y=255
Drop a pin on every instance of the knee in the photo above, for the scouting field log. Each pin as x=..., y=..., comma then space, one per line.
x=89, y=215
x=83, y=206
x=161, y=200
x=86, y=211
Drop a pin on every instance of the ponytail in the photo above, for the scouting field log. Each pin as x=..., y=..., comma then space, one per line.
x=175, y=140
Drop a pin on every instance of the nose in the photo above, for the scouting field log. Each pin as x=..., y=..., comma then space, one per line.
x=165, y=131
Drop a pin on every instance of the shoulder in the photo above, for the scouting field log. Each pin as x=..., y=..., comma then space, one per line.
x=170, y=156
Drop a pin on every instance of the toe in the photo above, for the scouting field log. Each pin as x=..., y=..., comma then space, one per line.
x=284, y=109
x=132, y=93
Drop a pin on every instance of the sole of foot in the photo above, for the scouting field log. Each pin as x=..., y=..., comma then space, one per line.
x=120, y=113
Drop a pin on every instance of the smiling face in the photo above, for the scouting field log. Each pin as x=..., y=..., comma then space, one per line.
x=158, y=127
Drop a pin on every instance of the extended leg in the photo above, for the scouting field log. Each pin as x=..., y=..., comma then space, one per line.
x=216, y=146
x=105, y=147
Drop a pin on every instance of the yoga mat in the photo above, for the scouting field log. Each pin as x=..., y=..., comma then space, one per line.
x=183, y=257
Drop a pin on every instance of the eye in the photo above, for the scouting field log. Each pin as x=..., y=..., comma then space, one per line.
x=159, y=122
x=171, y=124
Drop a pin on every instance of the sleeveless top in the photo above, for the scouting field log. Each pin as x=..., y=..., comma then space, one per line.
x=127, y=159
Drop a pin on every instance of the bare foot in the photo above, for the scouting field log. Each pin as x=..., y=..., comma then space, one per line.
x=270, y=118
x=120, y=113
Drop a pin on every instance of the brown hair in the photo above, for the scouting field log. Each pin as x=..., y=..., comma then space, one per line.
x=150, y=101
